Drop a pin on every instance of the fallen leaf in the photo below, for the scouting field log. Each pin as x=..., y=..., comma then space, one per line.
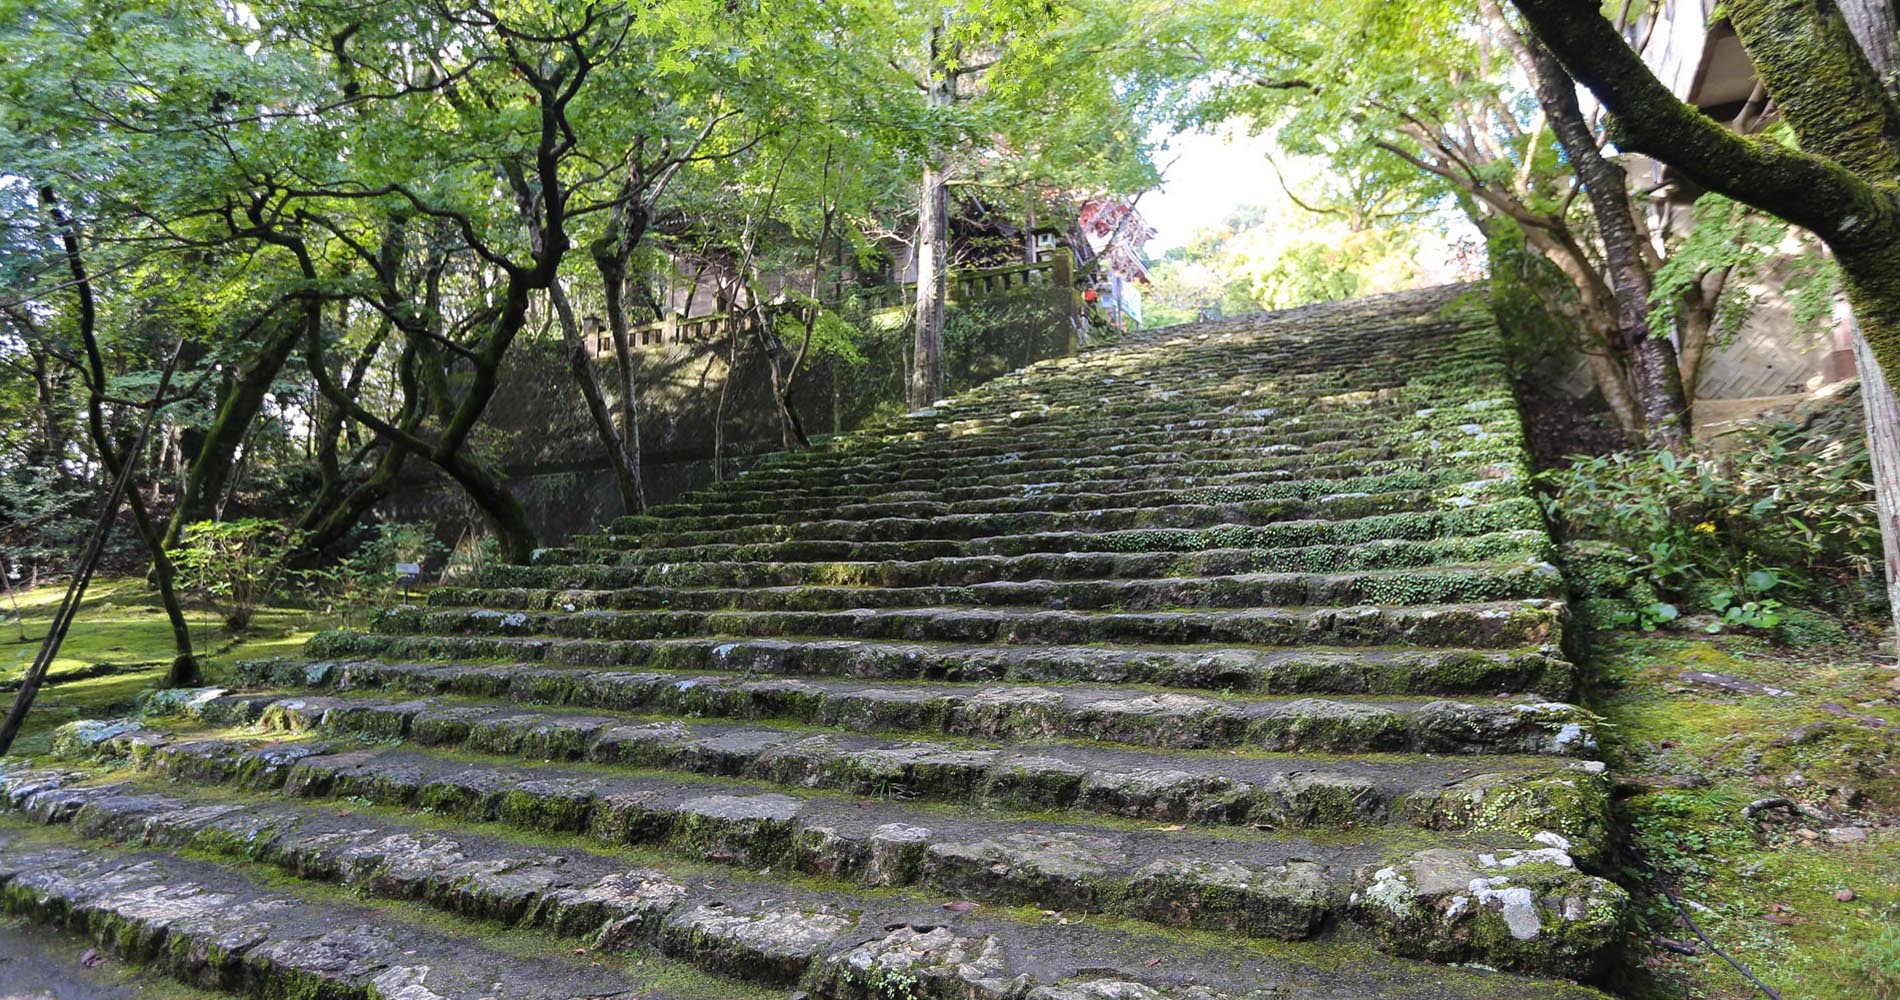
x=1781, y=918
x=580, y=951
x=1151, y=963
x=959, y=906
x=346, y=812
x=1171, y=828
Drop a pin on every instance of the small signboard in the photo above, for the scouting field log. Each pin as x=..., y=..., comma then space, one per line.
x=406, y=576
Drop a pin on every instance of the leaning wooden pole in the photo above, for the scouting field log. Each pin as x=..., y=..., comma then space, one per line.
x=82, y=573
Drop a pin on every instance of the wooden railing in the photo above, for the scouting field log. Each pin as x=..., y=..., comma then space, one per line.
x=1055, y=270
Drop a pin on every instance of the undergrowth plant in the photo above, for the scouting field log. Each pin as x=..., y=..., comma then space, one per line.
x=366, y=578
x=1783, y=515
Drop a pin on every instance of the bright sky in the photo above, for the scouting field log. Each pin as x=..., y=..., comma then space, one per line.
x=1206, y=177
x=1212, y=176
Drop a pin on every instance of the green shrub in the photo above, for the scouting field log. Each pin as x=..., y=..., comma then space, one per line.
x=367, y=578
x=236, y=566
x=1783, y=514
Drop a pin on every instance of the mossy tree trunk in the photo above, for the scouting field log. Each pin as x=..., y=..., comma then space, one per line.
x=212, y=468
x=114, y=455
x=1873, y=23
x=611, y=254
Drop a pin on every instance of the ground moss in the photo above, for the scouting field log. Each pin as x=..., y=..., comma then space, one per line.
x=1691, y=757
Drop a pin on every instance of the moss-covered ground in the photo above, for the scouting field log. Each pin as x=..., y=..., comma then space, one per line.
x=119, y=645
x=1806, y=894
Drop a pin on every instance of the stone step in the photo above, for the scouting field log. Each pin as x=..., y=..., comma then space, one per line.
x=1434, y=585
x=990, y=769
x=1188, y=668
x=1260, y=885
x=1027, y=432
x=213, y=926
x=990, y=481
x=1259, y=419
x=1516, y=514
x=1191, y=395
x=1065, y=440
x=1088, y=495
x=1041, y=511
x=1126, y=715
x=970, y=526
x=1504, y=624
x=1187, y=382
x=1513, y=546
x=1363, y=451
x=1227, y=669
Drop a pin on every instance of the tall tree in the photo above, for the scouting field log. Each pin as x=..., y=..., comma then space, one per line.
x=1627, y=253
x=1018, y=96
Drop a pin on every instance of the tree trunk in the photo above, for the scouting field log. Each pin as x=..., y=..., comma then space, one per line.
x=580, y=363
x=1593, y=312
x=184, y=666
x=1652, y=360
x=933, y=223
x=933, y=241
x=1876, y=27
x=1883, y=443
x=211, y=468
x=610, y=255
x=1873, y=24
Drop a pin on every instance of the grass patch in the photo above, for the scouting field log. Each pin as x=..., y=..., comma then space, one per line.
x=121, y=629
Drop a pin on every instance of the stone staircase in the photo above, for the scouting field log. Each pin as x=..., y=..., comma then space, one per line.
x=1223, y=663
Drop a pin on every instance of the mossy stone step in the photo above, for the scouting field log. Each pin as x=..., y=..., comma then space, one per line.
x=1256, y=886
x=1434, y=585
x=1110, y=477
x=1344, y=506
x=1069, y=440
x=1505, y=624
x=1510, y=515
x=1100, y=494
x=1227, y=669
x=1280, y=790
x=214, y=927
x=1076, y=867
x=1511, y=546
x=1270, y=458
x=1124, y=715
x=1240, y=420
